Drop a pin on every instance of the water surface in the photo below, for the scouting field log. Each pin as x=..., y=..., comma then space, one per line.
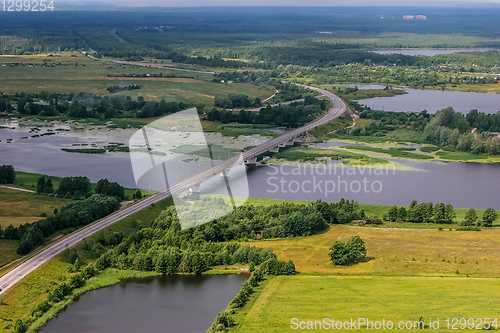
x=167, y=304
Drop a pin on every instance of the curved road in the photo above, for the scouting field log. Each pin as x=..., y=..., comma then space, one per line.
x=18, y=273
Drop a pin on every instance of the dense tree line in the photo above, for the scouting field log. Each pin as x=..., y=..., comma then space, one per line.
x=424, y=212
x=7, y=174
x=452, y=129
x=73, y=215
x=112, y=189
x=44, y=186
x=283, y=220
x=290, y=115
x=89, y=105
x=74, y=187
x=236, y=101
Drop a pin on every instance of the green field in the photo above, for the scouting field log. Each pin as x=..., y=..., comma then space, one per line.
x=407, y=252
x=311, y=298
x=311, y=154
x=28, y=181
x=24, y=206
x=96, y=76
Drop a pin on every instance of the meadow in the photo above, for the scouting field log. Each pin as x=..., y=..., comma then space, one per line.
x=74, y=72
x=311, y=298
x=17, y=207
x=406, y=252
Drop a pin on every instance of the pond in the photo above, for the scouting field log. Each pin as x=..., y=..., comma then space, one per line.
x=164, y=304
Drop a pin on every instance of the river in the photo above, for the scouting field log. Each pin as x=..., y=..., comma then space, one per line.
x=464, y=185
x=416, y=100
x=164, y=304
x=430, y=52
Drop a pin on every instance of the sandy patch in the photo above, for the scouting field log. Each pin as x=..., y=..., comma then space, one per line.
x=206, y=96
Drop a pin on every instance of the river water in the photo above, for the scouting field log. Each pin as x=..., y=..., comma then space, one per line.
x=464, y=185
x=430, y=52
x=164, y=304
x=417, y=100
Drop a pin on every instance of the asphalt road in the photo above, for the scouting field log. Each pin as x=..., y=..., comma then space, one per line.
x=18, y=273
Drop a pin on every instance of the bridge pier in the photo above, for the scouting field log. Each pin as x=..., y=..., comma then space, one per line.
x=226, y=173
x=251, y=161
x=275, y=149
x=195, y=188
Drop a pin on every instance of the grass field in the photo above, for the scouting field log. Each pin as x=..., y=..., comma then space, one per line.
x=28, y=181
x=74, y=72
x=391, y=298
x=18, y=207
x=394, y=146
x=408, y=252
x=311, y=154
x=8, y=251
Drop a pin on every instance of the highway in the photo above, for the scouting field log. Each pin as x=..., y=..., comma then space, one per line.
x=18, y=273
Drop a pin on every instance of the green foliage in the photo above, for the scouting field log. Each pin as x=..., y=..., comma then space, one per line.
x=74, y=186
x=349, y=252
x=470, y=219
x=489, y=216
x=374, y=220
x=105, y=187
x=73, y=215
x=7, y=174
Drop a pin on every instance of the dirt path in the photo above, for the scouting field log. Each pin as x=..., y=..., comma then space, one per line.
x=270, y=96
x=18, y=189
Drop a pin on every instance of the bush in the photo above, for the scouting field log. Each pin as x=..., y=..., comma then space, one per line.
x=374, y=220
x=344, y=253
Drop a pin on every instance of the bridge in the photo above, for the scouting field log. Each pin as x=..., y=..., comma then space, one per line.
x=18, y=273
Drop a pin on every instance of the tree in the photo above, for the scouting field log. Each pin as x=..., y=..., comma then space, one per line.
x=40, y=185
x=105, y=187
x=439, y=213
x=374, y=220
x=449, y=213
x=137, y=195
x=7, y=174
x=489, y=216
x=48, y=187
x=351, y=251
x=470, y=218
x=393, y=213
x=402, y=213
x=167, y=261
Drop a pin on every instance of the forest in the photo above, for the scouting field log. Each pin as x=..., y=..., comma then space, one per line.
x=475, y=132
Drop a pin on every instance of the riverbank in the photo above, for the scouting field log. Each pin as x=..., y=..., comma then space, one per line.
x=379, y=150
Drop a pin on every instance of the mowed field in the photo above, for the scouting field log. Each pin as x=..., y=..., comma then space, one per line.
x=407, y=252
x=19, y=207
x=74, y=72
x=311, y=298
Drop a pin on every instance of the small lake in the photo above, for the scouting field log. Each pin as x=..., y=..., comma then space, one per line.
x=164, y=304
x=430, y=52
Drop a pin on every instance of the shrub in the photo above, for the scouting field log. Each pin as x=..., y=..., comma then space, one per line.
x=351, y=251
